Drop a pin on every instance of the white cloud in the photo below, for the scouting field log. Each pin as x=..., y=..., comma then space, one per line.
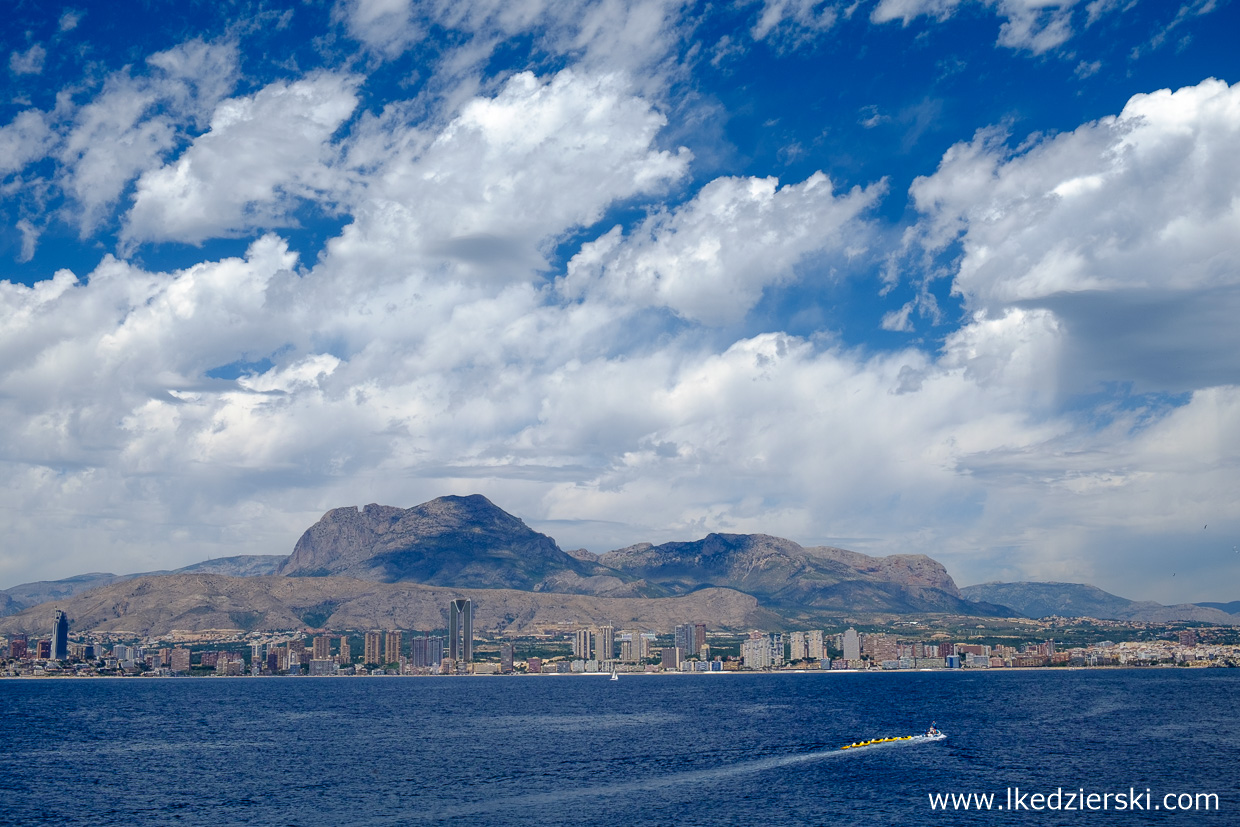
x=1033, y=25
x=602, y=35
x=385, y=25
x=1149, y=199
x=29, y=62
x=1036, y=25
x=134, y=121
x=511, y=173
x=710, y=259
x=23, y=140
x=908, y=10
x=70, y=19
x=261, y=154
x=801, y=17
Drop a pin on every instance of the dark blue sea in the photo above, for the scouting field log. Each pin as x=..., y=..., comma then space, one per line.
x=643, y=750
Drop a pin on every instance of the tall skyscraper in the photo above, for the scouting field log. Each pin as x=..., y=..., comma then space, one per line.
x=322, y=647
x=60, y=636
x=373, y=639
x=684, y=637
x=699, y=638
x=345, y=657
x=852, y=645
x=391, y=648
x=605, y=643
x=581, y=644
x=461, y=630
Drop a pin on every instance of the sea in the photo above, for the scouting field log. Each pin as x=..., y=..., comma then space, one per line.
x=708, y=749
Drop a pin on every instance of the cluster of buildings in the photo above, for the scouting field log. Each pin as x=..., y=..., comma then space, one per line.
x=594, y=649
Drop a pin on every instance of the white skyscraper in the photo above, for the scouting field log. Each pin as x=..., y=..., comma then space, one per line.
x=852, y=645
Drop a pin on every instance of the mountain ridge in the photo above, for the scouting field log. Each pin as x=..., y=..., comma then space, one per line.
x=1038, y=599
x=196, y=602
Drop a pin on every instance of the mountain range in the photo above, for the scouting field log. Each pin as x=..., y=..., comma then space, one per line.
x=1077, y=600
x=383, y=565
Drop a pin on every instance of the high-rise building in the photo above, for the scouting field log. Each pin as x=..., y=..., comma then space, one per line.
x=391, y=648
x=505, y=658
x=461, y=630
x=346, y=656
x=814, y=648
x=17, y=646
x=322, y=647
x=699, y=637
x=630, y=649
x=605, y=643
x=374, y=639
x=671, y=657
x=756, y=652
x=852, y=645
x=683, y=638
x=581, y=644
x=425, y=651
x=798, y=648
x=60, y=636
x=179, y=659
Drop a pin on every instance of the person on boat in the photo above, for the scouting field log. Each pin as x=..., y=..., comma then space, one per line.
x=932, y=731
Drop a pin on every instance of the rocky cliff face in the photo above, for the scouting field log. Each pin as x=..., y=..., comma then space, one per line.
x=465, y=542
x=468, y=542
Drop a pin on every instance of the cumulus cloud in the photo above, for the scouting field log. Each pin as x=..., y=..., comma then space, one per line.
x=480, y=198
x=711, y=258
x=261, y=154
x=1131, y=211
x=135, y=120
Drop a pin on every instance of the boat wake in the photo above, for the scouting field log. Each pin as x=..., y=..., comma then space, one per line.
x=672, y=781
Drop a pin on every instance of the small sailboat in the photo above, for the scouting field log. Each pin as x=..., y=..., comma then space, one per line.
x=614, y=676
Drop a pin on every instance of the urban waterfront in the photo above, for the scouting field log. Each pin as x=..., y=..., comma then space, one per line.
x=646, y=749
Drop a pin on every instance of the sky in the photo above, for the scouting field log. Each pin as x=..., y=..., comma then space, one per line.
x=946, y=277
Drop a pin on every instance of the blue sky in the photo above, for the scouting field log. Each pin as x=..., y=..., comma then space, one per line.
x=908, y=276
